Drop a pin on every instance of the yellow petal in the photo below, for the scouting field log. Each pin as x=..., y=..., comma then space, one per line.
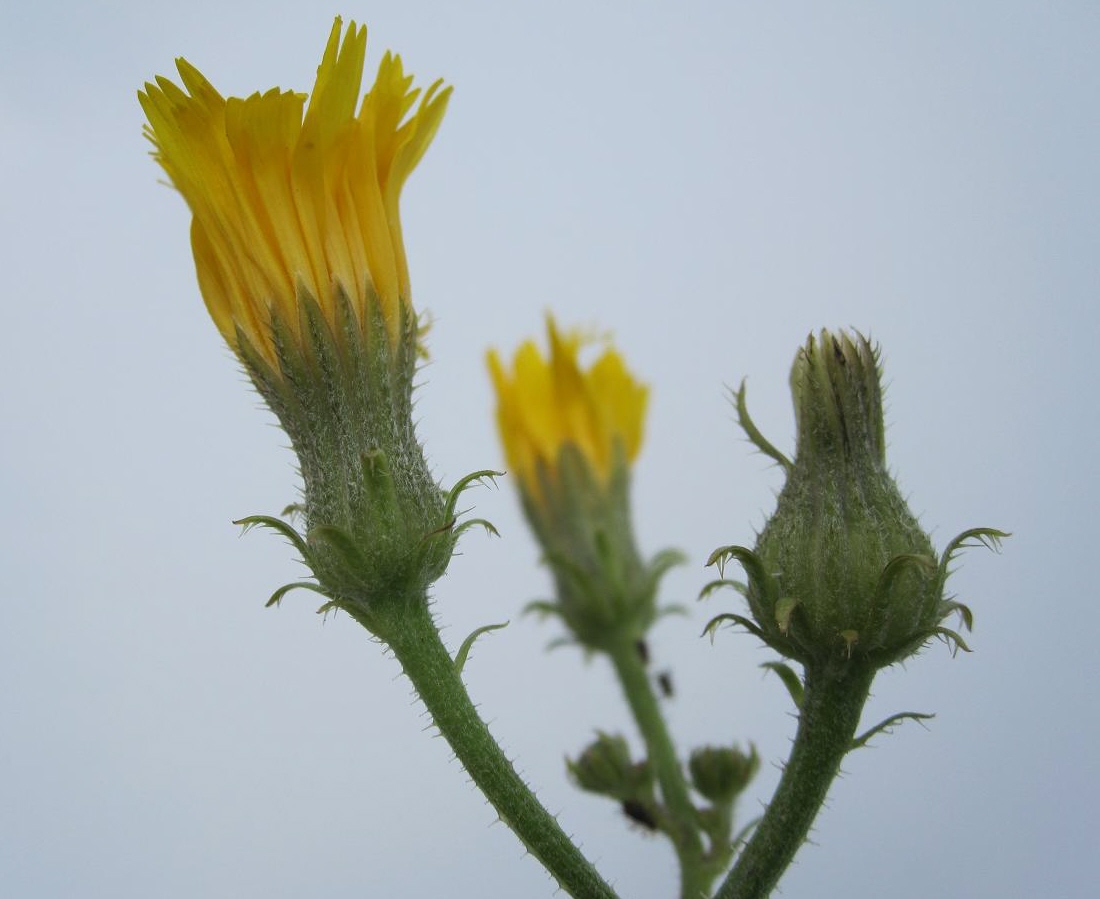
x=288, y=196
x=549, y=401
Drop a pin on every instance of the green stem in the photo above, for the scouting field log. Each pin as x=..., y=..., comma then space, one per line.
x=411, y=633
x=830, y=712
x=684, y=831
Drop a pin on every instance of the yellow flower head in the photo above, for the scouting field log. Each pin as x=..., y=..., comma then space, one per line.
x=285, y=204
x=546, y=404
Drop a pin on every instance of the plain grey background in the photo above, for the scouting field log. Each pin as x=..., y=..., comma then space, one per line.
x=709, y=181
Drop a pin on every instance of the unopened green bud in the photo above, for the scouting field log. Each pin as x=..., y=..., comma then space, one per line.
x=843, y=568
x=605, y=767
x=720, y=773
x=841, y=520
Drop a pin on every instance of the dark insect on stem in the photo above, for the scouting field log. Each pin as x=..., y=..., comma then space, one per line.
x=643, y=651
x=664, y=681
x=639, y=813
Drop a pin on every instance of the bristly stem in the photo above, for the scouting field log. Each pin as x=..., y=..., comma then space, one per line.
x=831, y=707
x=683, y=828
x=411, y=633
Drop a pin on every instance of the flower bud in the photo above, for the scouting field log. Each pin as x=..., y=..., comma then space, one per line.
x=605, y=768
x=840, y=519
x=720, y=773
x=571, y=434
x=842, y=569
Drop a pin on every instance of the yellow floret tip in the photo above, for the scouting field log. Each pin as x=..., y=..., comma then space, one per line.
x=546, y=403
x=289, y=197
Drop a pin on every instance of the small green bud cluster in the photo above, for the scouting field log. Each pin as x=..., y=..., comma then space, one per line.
x=606, y=768
x=718, y=774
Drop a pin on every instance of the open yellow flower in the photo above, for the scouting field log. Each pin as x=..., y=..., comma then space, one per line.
x=546, y=404
x=285, y=205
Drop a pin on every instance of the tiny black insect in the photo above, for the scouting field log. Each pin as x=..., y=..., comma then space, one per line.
x=639, y=813
x=643, y=651
x=664, y=681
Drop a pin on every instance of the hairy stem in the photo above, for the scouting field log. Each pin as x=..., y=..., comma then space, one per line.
x=683, y=827
x=411, y=633
x=831, y=708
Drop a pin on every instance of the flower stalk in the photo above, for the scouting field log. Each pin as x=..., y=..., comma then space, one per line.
x=407, y=628
x=832, y=703
x=570, y=433
x=678, y=815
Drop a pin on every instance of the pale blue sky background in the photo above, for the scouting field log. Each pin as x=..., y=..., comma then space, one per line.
x=710, y=181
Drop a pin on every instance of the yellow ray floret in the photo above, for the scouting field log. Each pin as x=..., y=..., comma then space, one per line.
x=284, y=202
x=546, y=403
